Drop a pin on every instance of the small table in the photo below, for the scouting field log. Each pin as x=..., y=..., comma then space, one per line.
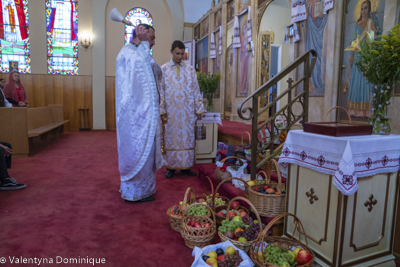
x=344, y=190
x=206, y=150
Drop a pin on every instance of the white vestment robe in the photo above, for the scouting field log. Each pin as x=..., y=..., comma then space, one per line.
x=138, y=121
x=181, y=100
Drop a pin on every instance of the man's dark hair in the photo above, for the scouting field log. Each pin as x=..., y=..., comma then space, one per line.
x=178, y=44
x=147, y=26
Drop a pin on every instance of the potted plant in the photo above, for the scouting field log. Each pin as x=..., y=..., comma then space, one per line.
x=208, y=84
x=379, y=61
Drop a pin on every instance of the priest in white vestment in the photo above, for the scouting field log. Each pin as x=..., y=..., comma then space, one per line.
x=138, y=117
x=182, y=104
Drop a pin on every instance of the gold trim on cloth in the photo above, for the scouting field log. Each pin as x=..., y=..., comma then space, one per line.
x=179, y=149
x=200, y=113
x=358, y=105
x=163, y=113
x=198, y=101
x=162, y=101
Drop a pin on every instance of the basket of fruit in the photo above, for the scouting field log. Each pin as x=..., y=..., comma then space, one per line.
x=223, y=254
x=175, y=212
x=269, y=199
x=219, y=200
x=222, y=172
x=241, y=231
x=273, y=251
x=221, y=210
x=197, y=230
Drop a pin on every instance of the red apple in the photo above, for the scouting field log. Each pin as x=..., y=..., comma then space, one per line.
x=240, y=210
x=235, y=205
x=255, y=188
x=221, y=257
x=266, y=187
x=192, y=223
x=235, y=239
x=221, y=214
x=303, y=257
x=243, y=213
x=197, y=225
x=206, y=225
x=232, y=214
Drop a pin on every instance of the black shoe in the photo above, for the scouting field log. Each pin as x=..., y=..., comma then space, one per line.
x=189, y=172
x=11, y=184
x=169, y=174
x=147, y=199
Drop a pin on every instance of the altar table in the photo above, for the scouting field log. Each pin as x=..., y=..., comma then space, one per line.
x=206, y=150
x=344, y=227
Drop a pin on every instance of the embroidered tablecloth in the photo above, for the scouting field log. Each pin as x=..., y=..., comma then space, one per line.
x=211, y=117
x=345, y=158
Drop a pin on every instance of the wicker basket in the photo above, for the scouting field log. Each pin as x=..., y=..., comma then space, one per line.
x=240, y=149
x=211, y=204
x=219, y=208
x=280, y=240
x=175, y=220
x=197, y=237
x=222, y=175
x=270, y=205
x=245, y=246
x=267, y=166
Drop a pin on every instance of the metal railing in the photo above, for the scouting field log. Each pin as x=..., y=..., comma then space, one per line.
x=259, y=146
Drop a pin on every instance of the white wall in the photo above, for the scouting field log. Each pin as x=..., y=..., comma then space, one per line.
x=195, y=9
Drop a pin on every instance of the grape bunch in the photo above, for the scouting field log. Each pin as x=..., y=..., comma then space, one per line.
x=227, y=225
x=233, y=260
x=247, y=219
x=199, y=210
x=277, y=255
x=218, y=201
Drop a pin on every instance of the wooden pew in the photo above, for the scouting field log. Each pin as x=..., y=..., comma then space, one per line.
x=19, y=125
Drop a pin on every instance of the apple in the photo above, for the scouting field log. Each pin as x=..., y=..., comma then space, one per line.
x=255, y=188
x=251, y=182
x=221, y=257
x=206, y=225
x=303, y=257
x=212, y=254
x=285, y=264
x=221, y=214
x=197, y=225
x=296, y=251
x=260, y=255
x=266, y=187
x=192, y=223
x=237, y=218
x=201, y=200
x=232, y=214
x=243, y=213
x=212, y=262
x=235, y=205
x=230, y=250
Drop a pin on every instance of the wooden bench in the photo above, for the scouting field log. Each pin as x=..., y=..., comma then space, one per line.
x=20, y=125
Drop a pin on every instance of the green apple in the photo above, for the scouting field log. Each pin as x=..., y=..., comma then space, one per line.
x=285, y=264
x=242, y=239
x=237, y=219
x=251, y=182
x=293, y=256
x=296, y=251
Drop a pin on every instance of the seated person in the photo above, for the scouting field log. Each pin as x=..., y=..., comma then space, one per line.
x=6, y=182
x=14, y=91
x=3, y=100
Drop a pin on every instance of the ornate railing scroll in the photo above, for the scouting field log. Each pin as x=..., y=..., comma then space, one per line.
x=258, y=146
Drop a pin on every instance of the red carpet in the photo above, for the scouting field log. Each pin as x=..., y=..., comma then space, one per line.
x=71, y=208
x=235, y=129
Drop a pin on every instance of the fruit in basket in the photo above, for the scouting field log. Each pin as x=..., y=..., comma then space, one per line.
x=197, y=225
x=212, y=254
x=303, y=257
x=229, y=234
x=231, y=260
x=235, y=205
x=230, y=250
x=221, y=257
x=218, y=201
x=251, y=182
x=201, y=200
x=206, y=225
x=198, y=211
x=266, y=187
x=212, y=262
x=296, y=251
x=285, y=264
x=276, y=255
x=293, y=256
x=220, y=251
x=237, y=218
x=243, y=213
x=242, y=239
x=270, y=191
x=221, y=214
x=205, y=258
x=238, y=230
x=192, y=223
x=232, y=214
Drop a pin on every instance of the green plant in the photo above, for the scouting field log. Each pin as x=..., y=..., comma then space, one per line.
x=379, y=61
x=208, y=83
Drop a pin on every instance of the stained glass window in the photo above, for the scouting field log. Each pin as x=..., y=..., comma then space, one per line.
x=62, y=37
x=137, y=16
x=14, y=35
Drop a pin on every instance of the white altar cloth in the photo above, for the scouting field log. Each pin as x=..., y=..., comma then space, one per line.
x=345, y=158
x=211, y=117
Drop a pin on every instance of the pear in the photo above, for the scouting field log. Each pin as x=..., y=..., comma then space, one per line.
x=212, y=254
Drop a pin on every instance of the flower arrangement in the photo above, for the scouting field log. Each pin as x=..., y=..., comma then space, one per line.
x=379, y=61
x=208, y=84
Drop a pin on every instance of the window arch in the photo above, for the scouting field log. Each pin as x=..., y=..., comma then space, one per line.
x=136, y=15
x=62, y=37
x=14, y=36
